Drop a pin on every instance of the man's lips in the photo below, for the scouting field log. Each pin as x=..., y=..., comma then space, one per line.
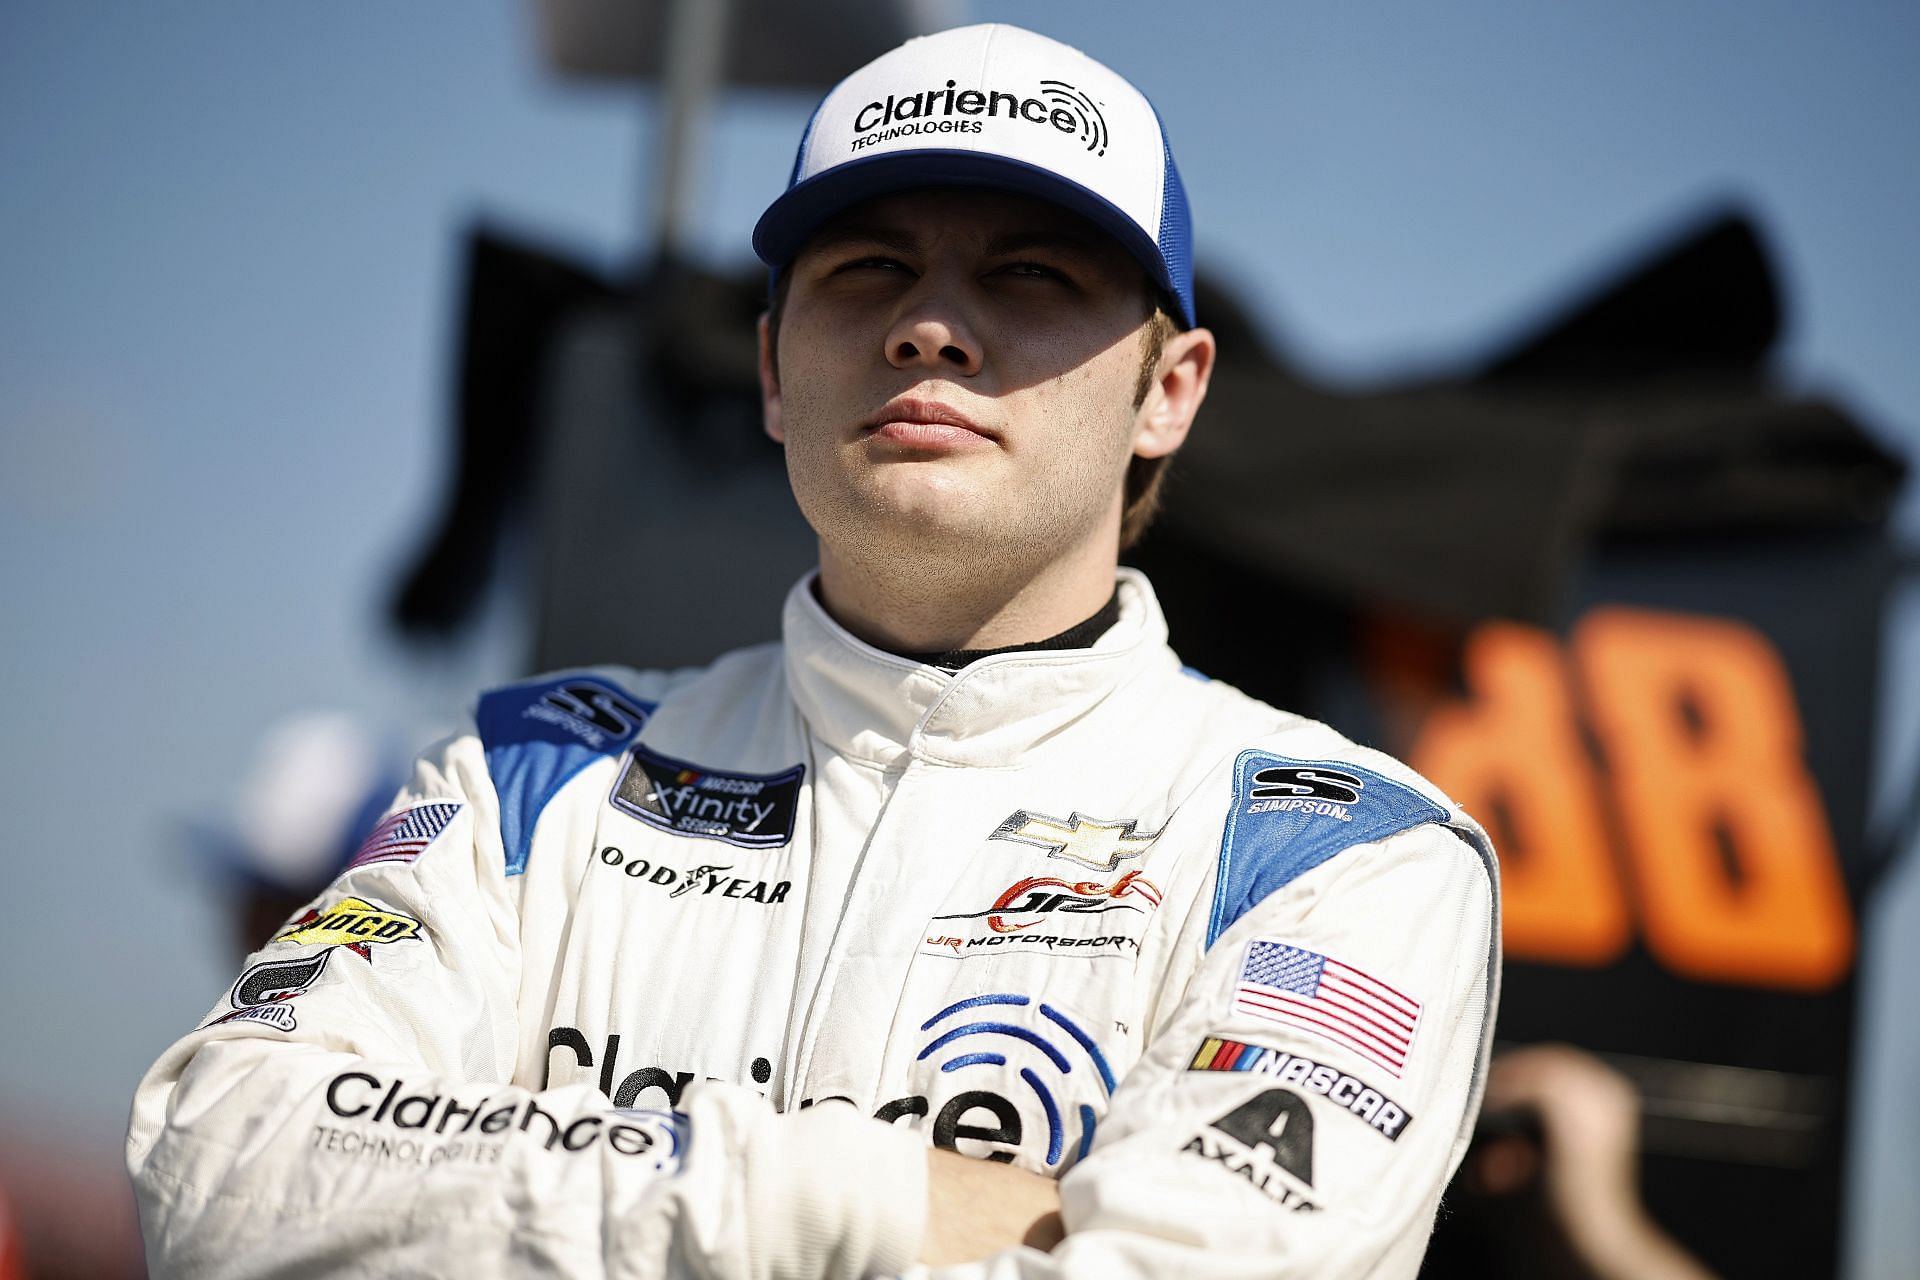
x=926, y=424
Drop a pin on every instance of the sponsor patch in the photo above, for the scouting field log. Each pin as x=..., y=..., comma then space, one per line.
x=1268, y=1140
x=1053, y=1050
x=962, y=108
x=353, y=923
x=1289, y=816
x=539, y=736
x=754, y=811
x=262, y=993
x=393, y=1125
x=707, y=880
x=404, y=836
x=1034, y=914
x=626, y=1090
x=1334, y=1002
x=1099, y=843
x=592, y=712
x=1382, y=1114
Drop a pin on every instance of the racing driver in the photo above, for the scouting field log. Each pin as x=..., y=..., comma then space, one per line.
x=962, y=928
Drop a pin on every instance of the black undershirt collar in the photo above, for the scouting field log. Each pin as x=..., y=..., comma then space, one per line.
x=1080, y=636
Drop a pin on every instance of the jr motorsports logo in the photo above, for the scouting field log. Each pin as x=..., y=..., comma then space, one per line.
x=1047, y=913
x=752, y=810
x=951, y=109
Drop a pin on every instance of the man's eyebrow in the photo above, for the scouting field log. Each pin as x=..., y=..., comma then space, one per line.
x=851, y=234
x=1056, y=238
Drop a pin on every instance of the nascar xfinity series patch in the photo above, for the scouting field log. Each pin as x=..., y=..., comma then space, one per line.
x=752, y=810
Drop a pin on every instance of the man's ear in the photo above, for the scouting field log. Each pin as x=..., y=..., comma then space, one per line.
x=1179, y=386
x=769, y=384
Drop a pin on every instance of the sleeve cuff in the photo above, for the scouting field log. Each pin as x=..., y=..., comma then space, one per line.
x=852, y=1191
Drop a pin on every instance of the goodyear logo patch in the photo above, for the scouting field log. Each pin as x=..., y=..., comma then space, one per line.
x=354, y=923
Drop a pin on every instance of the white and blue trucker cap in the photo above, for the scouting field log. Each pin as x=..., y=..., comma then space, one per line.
x=1000, y=107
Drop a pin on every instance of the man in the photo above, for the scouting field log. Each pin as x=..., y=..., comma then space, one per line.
x=967, y=864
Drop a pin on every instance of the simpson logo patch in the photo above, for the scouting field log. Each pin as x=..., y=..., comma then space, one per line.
x=353, y=923
x=754, y=811
x=1289, y=816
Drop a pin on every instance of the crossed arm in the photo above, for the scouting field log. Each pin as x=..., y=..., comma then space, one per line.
x=233, y=1137
x=976, y=1208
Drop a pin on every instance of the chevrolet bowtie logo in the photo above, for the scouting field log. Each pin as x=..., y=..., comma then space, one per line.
x=1091, y=842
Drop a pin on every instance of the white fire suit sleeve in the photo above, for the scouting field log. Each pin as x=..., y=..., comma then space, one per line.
x=395, y=998
x=1311, y=1085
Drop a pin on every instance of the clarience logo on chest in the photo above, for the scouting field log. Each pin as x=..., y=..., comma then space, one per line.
x=754, y=811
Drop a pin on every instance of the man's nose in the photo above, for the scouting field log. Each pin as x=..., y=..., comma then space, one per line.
x=932, y=334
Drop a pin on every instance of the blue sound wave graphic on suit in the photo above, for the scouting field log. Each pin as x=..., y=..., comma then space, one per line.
x=979, y=1031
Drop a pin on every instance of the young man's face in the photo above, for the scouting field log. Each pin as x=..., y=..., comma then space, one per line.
x=958, y=370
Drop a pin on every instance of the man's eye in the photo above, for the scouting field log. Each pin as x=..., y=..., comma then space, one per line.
x=1033, y=271
x=874, y=262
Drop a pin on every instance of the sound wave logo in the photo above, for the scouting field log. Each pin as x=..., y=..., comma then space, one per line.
x=1092, y=124
x=1054, y=1050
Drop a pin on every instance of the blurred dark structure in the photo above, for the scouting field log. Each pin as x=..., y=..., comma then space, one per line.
x=1617, y=590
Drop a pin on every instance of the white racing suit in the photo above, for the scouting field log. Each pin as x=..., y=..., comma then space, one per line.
x=618, y=985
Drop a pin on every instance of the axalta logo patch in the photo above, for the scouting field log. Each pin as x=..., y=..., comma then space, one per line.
x=353, y=923
x=950, y=109
x=1268, y=1140
x=755, y=811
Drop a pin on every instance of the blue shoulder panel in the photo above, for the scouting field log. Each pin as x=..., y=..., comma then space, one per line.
x=538, y=736
x=1289, y=816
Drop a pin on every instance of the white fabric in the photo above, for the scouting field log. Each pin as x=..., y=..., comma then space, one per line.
x=280, y=1145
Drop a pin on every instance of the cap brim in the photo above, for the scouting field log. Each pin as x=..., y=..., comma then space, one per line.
x=792, y=220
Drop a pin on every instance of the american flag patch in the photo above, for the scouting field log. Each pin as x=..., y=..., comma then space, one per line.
x=402, y=836
x=1332, y=1001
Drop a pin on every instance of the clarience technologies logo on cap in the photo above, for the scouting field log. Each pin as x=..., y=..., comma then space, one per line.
x=1058, y=104
x=998, y=107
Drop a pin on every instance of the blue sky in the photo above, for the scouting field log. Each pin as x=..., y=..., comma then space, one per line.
x=228, y=245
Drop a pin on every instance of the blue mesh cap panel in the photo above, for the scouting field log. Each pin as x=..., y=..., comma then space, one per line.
x=1289, y=816
x=538, y=736
x=1176, y=229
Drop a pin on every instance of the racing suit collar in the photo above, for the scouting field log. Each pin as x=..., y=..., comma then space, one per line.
x=878, y=707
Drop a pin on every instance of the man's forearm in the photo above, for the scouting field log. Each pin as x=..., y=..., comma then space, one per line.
x=976, y=1208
